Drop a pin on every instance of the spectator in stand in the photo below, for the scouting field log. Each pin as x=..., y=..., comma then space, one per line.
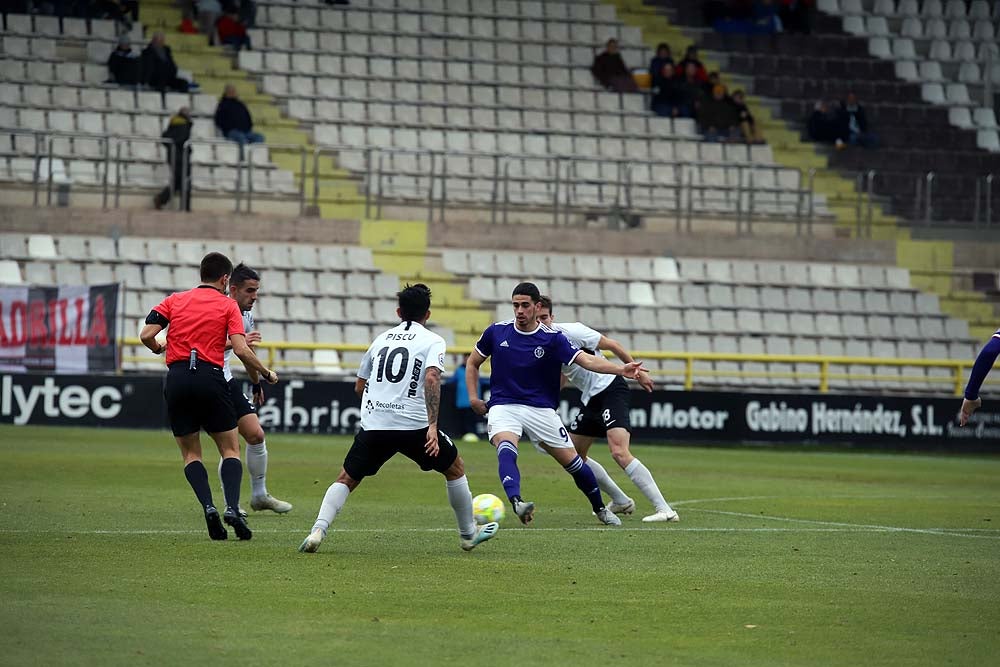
x=662, y=57
x=854, y=124
x=673, y=97
x=232, y=32
x=123, y=64
x=208, y=13
x=694, y=88
x=610, y=70
x=123, y=11
x=824, y=126
x=717, y=119
x=748, y=127
x=796, y=15
x=710, y=84
x=177, y=134
x=691, y=57
x=234, y=121
x=248, y=13
x=159, y=71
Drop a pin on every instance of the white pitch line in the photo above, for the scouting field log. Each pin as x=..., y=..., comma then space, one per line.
x=839, y=524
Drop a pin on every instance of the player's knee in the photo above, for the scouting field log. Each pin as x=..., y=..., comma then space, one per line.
x=347, y=480
x=456, y=470
x=254, y=436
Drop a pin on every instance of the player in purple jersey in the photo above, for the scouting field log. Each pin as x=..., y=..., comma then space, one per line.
x=984, y=362
x=524, y=391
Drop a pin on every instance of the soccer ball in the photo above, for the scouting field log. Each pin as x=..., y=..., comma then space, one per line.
x=486, y=508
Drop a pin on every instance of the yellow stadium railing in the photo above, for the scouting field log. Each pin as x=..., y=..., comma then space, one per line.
x=827, y=368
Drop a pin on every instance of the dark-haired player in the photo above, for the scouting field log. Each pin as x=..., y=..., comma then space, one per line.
x=524, y=391
x=200, y=320
x=244, y=288
x=399, y=383
x=605, y=414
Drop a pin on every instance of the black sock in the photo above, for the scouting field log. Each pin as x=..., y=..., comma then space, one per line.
x=232, y=477
x=197, y=477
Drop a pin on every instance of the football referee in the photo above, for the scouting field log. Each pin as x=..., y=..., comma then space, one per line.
x=200, y=321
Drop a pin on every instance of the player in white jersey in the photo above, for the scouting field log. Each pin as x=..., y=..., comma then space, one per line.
x=399, y=383
x=244, y=288
x=605, y=414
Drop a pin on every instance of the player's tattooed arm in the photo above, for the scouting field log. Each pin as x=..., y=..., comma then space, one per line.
x=432, y=397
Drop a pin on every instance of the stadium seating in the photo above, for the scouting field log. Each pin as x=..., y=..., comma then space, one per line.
x=650, y=304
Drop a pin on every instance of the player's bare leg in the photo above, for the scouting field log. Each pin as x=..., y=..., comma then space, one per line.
x=620, y=503
x=333, y=502
x=256, y=458
x=197, y=477
x=231, y=471
x=574, y=464
x=618, y=442
x=510, y=476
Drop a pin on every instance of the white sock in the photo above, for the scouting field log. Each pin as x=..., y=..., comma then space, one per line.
x=641, y=477
x=333, y=501
x=257, y=467
x=460, y=498
x=606, y=484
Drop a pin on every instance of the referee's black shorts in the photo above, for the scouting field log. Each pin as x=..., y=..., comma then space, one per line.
x=198, y=399
x=371, y=449
x=608, y=409
x=241, y=404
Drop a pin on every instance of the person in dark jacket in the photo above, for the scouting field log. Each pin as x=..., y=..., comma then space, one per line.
x=691, y=57
x=159, y=71
x=823, y=125
x=662, y=57
x=854, y=124
x=610, y=70
x=123, y=64
x=748, y=127
x=233, y=119
x=717, y=117
x=673, y=97
x=176, y=136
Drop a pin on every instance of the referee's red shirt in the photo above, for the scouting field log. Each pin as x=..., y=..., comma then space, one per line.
x=200, y=319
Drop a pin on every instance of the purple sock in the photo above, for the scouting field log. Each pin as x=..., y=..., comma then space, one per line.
x=586, y=482
x=510, y=476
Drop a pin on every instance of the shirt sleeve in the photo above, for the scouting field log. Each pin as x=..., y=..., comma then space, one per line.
x=984, y=363
x=435, y=355
x=235, y=319
x=582, y=335
x=485, y=344
x=165, y=307
x=365, y=368
x=565, y=351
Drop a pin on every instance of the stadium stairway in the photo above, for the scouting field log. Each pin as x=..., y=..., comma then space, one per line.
x=213, y=68
x=400, y=247
x=785, y=141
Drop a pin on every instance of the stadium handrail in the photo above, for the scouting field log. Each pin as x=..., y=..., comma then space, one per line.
x=824, y=374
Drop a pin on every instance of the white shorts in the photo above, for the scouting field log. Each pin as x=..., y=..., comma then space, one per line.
x=536, y=424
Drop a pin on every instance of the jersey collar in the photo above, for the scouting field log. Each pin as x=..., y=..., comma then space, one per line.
x=527, y=333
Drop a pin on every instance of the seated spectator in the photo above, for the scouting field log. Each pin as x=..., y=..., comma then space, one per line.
x=159, y=71
x=694, y=88
x=177, y=134
x=748, y=127
x=610, y=70
x=662, y=57
x=854, y=124
x=231, y=30
x=717, y=119
x=824, y=125
x=710, y=84
x=691, y=56
x=233, y=120
x=123, y=64
x=673, y=99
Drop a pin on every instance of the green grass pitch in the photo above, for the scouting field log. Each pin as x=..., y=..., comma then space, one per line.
x=781, y=558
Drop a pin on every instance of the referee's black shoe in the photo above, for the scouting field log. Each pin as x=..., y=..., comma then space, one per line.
x=232, y=517
x=215, y=528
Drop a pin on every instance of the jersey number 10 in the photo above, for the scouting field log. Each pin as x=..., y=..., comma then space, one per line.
x=386, y=362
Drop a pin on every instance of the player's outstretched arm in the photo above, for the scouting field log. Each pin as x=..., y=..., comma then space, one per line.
x=432, y=398
x=616, y=348
x=984, y=363
x=472, y=365
x=250, y=360
x=602, y=365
